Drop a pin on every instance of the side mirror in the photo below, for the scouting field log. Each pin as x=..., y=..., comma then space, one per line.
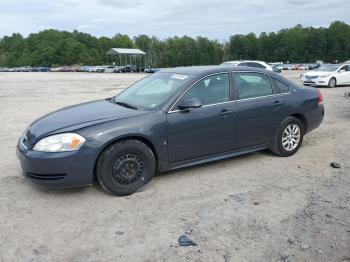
x=189, y=104
x=342, y=71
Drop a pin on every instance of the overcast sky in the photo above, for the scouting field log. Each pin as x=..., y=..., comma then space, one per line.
x=163, y=18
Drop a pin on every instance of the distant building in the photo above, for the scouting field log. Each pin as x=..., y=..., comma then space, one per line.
x=126, y=56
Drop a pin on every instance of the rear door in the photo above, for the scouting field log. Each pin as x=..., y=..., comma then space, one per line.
x=207, y=130
x=259, y=109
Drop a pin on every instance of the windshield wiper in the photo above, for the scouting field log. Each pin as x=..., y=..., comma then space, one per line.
x=126, y=105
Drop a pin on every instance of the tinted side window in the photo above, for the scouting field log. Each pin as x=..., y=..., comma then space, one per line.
x=252, y=85
x=281, y=87
x=251, y=64
x=343, y=68
x=242, y=64
x=210, y=90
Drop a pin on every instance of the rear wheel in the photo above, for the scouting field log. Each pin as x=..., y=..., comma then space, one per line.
x=125, y=166
x=289, y=137
x=332, y=82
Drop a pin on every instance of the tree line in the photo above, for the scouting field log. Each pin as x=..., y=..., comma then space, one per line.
x=296, y=45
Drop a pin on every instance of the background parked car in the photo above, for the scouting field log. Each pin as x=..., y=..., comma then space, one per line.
x=97, y=69
x=84, y=68
x=313, y=66
x=151, y=70
x=24, y=69
x=94, y=69
x=256, y=64
x=327, y=75
x=128, y=69
x=40, y=69
x=287, y=67
x=111, y=69
x=91, y=69
x=64, y=69
x=100, y=69
x=301, y=67
x=73, y=69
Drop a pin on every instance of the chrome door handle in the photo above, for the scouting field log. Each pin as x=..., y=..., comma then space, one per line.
x=277, y=103
x=225, y=112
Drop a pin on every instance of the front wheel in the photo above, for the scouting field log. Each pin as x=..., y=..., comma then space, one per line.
x=125, y=166
x=332, y=82
x=288, y=138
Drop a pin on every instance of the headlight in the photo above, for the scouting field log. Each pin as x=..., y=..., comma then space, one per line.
x=60, y=143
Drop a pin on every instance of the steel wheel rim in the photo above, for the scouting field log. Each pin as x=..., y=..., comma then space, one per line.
x=128, y=169
x=291, y=137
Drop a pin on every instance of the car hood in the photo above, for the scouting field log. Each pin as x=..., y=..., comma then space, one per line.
x=76, y=117
x=318, y=73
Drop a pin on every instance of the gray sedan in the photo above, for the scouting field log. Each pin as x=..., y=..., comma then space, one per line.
x=171, y=119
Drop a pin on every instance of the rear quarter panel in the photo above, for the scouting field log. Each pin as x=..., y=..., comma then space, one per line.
x=304, y=101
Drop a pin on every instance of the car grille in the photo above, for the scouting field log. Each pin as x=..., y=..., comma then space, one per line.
x=311, y=77
x=46, y=176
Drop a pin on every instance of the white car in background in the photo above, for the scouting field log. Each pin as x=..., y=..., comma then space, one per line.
x=111, y=69
x=250, y=63
x=327, y=75
x=286, y=67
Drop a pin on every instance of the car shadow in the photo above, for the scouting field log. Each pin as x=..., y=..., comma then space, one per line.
x=57, y=191
x=96, y=187
x=326, y=87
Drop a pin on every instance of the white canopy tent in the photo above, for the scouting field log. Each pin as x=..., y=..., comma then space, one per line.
x=126, y=56
x=128, y=51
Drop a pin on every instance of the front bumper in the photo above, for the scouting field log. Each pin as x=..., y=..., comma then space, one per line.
x=58, y=170
x=315, y=82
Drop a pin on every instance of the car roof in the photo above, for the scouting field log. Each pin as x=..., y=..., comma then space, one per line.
x=332, y=65
x=204, y=70
x=244, y=61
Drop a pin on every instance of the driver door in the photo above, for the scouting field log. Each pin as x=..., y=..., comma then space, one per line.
x=207, y=130
x=344, y=76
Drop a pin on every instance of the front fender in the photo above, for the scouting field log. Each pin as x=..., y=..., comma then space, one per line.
x=150, y=127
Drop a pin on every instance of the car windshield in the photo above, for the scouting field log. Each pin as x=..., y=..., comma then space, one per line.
x=230, y=63
x=328, y=68
x=152, y=92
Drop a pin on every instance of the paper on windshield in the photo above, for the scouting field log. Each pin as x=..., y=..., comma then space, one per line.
x=179, y=76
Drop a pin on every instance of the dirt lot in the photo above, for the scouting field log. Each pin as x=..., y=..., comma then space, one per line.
x=257, y=207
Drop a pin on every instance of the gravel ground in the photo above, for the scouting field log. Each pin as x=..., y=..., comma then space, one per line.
x=256, y=207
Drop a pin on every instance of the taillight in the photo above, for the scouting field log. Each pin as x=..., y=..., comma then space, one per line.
x=320, y=97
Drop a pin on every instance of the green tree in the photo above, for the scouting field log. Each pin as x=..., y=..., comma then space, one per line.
x=297, y=44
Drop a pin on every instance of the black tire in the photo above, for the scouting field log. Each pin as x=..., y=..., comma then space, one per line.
x=332, y=82
x=125, y=167
x=277, y=146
